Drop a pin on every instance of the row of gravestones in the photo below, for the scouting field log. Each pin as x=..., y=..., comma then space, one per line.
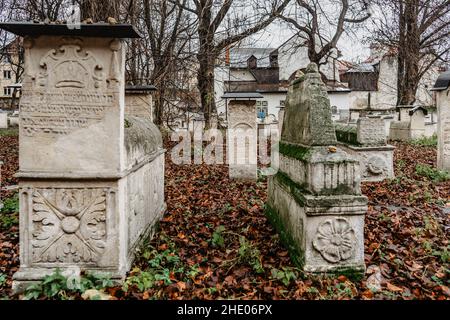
x=92, y=162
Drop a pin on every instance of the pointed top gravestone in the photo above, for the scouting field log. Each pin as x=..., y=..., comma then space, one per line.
x=308, y=118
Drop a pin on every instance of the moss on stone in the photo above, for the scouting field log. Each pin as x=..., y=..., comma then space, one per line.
x=296, y=254
x=294, y=151
x=347, y=134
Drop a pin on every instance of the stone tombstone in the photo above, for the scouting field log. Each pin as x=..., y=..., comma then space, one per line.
x=371, y=131
x=242, y=139
x=369, y=146
x=139, y=101
x=442, y=90
x=417, y=123
x=3, y=120
x=315, y=199
x=91, y=187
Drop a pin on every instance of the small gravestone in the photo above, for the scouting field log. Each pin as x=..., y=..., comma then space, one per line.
x=242, y=139
x=91, y=181
x=139, y=101
x=315, y=199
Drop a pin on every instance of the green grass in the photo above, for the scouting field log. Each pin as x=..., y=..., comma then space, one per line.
x=11, y=132
x=432, y=173
x=426, y=141
x=9, y=213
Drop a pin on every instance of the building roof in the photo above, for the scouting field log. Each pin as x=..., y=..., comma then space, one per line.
x=242, y=95
x=443, y=82
x=139, y=88
x=99, y=30
x=362, y=68
x=239, y=56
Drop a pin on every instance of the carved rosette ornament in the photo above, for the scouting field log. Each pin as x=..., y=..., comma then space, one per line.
x=69, y=225
x=335, y=240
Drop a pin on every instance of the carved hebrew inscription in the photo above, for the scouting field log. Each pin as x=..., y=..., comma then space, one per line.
x=68, y=225
x=69, y=92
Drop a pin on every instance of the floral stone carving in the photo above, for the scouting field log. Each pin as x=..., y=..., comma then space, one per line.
x=335, y=240
x=69, y=225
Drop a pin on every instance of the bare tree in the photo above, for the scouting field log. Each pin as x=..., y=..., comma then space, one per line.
x=221, y=24
x=322, y=23
x=419, y=31
x=99, y=10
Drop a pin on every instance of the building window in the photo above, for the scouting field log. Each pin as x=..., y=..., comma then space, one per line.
x=7, y=91
x=7, y=74
x=282, y=103
x=262, y=112
x=264, y=103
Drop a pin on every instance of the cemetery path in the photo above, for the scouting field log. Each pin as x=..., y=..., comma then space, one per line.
x=215, y=242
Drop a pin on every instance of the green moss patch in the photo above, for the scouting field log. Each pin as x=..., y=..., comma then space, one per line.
x=293, y=151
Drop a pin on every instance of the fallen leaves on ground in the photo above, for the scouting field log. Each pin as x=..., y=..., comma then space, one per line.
x=215, y=242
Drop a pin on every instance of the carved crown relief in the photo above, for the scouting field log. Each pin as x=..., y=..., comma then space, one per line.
x=70, y=66
x=69, y=225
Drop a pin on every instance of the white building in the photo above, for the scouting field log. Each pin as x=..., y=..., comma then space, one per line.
x=269, y=71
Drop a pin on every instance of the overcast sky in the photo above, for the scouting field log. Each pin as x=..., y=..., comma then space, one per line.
x=276, y=34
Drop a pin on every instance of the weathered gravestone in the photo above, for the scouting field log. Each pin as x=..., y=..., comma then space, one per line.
x=91, y=187
x=242, y=139
x=367, y=142
x=315, y=199
x=442, y=89
x=139, y=101
x=3, y=119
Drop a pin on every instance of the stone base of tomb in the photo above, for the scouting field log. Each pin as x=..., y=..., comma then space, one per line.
x=376, y=163
x=92, y=223
x=325, y=234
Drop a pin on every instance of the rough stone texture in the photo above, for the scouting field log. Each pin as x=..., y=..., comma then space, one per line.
x=3, y=120
x=91, y=183
x=139, y=104
x=316, y=196
x=417, y=125
x=443, y=103
x=242, y=140
x=400, y=131
x=281, y=113
x=371, y=131
x=367, y=142
x=376, y=163
x=302, y=124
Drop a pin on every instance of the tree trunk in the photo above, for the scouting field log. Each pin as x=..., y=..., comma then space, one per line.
x=205, y=79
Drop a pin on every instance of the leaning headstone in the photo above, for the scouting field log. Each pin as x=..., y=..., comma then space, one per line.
x=242, y=139
x=315, y=199
x=367, y=142
x=91, y=182
x=442, y=89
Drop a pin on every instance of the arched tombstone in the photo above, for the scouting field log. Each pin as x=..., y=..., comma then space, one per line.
x=242, y=137
x=91, y=181
x=315, y=199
